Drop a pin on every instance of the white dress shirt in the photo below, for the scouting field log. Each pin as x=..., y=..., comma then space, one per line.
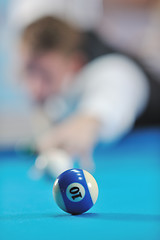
x=111, y=88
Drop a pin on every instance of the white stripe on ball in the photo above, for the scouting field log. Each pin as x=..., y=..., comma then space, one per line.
x=58, y=196
x=92, y=186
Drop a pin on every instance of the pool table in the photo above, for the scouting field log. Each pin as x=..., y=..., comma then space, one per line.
x=128, y=206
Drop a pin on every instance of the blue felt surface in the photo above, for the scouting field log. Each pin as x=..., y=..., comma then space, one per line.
x=128, y=207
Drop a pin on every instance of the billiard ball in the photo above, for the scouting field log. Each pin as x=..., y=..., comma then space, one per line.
x=54, y=162
x=75, y=191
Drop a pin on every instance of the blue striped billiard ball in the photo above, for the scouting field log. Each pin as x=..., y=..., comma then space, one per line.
x=75, y=191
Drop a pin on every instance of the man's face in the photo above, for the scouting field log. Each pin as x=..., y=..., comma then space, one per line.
x=47, y=74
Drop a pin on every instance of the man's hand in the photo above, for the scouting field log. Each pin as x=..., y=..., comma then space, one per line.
x=76, y=135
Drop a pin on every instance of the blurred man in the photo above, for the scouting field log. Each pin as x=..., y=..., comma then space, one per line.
x=93, y=98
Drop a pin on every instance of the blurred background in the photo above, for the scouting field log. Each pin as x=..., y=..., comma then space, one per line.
x=132, y=26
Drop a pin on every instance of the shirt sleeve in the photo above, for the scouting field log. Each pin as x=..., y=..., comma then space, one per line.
x=116, y=92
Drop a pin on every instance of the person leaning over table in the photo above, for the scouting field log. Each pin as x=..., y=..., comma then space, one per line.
x=89, y=91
